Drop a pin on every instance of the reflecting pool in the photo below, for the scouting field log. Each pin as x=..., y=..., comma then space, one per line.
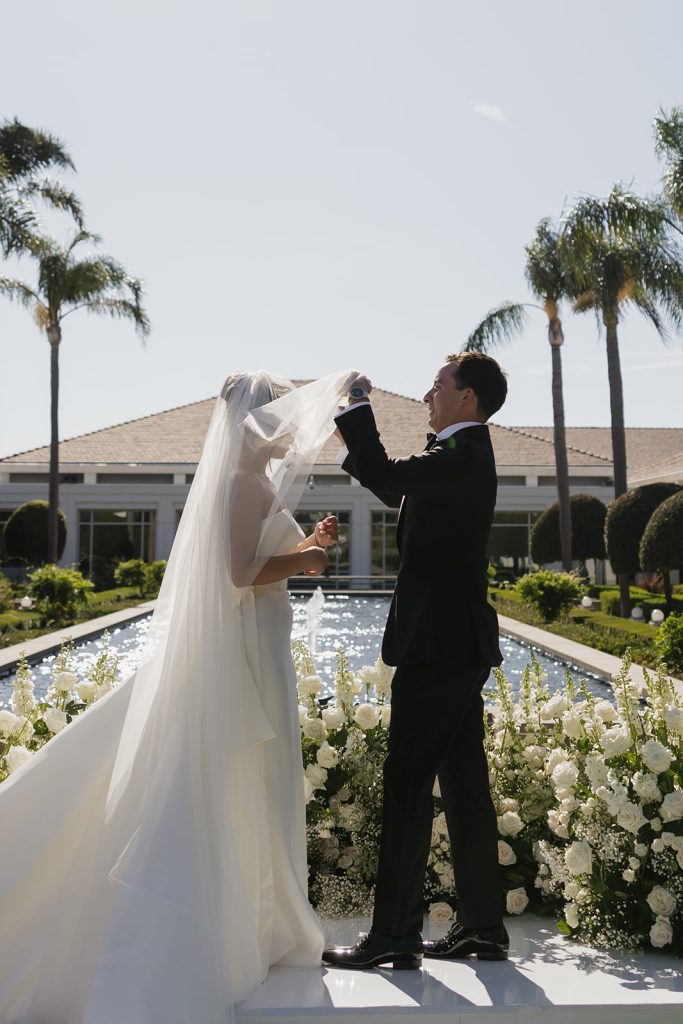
x=326, y=623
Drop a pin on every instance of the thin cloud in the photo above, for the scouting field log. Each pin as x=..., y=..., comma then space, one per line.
x=489, y=110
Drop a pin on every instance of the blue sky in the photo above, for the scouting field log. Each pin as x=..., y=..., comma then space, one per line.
x=308, y=185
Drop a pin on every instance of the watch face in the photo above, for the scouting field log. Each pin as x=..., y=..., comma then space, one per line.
x=358, y=393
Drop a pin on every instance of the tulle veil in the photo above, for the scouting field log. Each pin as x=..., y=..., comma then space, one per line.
x=128, y=887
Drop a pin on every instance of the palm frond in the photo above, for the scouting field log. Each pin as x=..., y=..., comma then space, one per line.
x=121, y=309
x=543, y=271
x=18, y=291
x=24, y=150
x=55, y=195
x=498, y=326
x=618, y=215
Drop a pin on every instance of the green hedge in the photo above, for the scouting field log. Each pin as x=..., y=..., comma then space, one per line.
x=625, y=524
x=588, y=528
x=25, y=532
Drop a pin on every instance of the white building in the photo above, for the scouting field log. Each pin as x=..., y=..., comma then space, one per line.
x=123, y=488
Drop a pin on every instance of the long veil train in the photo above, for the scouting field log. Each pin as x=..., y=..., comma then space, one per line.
x=133, y=847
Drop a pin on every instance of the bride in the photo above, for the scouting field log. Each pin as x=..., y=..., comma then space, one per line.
x=153, y=854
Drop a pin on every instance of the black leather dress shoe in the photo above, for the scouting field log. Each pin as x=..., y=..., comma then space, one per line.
x=488, y=944
x=377, y=949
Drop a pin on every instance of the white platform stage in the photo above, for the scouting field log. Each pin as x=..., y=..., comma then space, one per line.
x=545, y=979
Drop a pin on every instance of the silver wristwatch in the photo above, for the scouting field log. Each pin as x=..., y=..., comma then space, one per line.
x=358, y=392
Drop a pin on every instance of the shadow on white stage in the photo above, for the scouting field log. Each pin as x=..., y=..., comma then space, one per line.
x=545, y=978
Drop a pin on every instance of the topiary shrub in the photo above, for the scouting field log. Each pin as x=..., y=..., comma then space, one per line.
x=154, y=574
x=550, y=593
x=5, y=593
x=588, y=531
x=669, y=643
x=662, y=544
x=25, y=532
x=132, y=573
x=58, y=592
x=625, y=524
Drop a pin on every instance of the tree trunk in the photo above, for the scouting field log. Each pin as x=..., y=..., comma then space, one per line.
x=556, y=337
x=668, y=597
x=616, y=399
x=54, y=335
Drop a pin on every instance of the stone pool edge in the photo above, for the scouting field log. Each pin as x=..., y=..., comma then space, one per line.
x=40, y=646
x=596, y=662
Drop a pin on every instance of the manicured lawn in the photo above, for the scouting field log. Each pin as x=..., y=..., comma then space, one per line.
x=608, y=633
x=17, y=625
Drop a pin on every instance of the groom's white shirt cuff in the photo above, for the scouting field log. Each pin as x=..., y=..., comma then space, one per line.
x=343, y=452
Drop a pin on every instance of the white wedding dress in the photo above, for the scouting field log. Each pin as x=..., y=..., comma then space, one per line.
x=153, y=853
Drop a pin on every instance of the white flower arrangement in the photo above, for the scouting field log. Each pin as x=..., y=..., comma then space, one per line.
x=588, y=794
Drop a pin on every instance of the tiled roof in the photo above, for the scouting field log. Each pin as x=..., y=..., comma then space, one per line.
x=176, y=437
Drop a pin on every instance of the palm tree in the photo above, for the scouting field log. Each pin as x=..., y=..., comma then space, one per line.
x=620, y=255
x=669, y=147
x=66, y=283
x=550, y=284
x=24, y=154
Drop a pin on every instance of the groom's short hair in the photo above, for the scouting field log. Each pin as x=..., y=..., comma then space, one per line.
x=480, y=372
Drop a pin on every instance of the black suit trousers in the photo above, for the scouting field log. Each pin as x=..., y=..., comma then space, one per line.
x=437, y=728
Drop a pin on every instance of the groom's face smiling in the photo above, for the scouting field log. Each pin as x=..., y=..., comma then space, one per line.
x=448, y=404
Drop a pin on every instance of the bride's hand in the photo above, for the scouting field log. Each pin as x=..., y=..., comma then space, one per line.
x=315, y=561
x=326, y=532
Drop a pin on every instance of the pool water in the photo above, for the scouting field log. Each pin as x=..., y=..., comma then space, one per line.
x=355, y=624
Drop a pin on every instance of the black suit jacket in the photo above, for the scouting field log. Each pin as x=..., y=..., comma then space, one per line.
x=440, y=612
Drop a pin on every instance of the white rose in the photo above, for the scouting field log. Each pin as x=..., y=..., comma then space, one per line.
x=554, y=708
x=385, y=716
x=64, y=682
x=8, y=722
x=640, y=849
x=672, y=806
x=571, y=915
x=510, y=823
x=657, y=845
x=16, y=756
x=628, y=875
x=674, y=719
x=630, y=817
x=366, y=716
x=661, y=933
x=606, y=711
x=596, y=771
x=616, y=741
x=572, y=725
x=308, y=790
x=327, y=756
x=516, y=900
x=578, y=858
x=634, y=863
x=316, y=775
x=333, y=717
x=55, y=719
x=508, y=804
x=309, y=686
x=86, y=691
x=661, y=901
x=565, y=774
x=506, y=855
x=656, y=757
x=679, y=859
x=440, y=912
x=554, y=758
x=314, y=729
x=533, y=754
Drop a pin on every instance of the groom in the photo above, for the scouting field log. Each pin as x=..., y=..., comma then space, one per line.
x=442, y=636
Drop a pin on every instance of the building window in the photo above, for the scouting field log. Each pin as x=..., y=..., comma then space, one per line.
x=385, y=557
x=510, y=543
x=511, y=481
x=339, y=555
x=135, y=478
x=107, y=537
x=44, y=478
